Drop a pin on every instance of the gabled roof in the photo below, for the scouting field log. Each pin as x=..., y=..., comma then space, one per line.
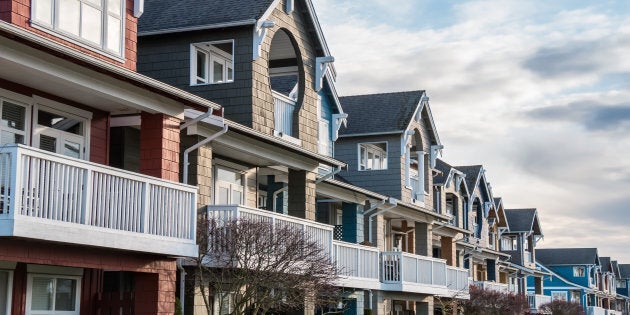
x=185, y=14
x=445, y=170
x=605, y=263
x=567, y=256
x=473, y=174
x=624, y=271
x=498, y=205
x=615, y=266
x=383, y=113
x=523, y=220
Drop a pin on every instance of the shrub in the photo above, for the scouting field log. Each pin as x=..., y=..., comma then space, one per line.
x=562, y=308
x=487, y=302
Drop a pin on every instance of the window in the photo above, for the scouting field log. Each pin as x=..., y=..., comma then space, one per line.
x=5, y=292
x=373, y=156
x=60, y=132
x=575, y=296
x=228, y=186
x=579, y=272
x=97, y=23
x=13, y=123
x=223, y=304
x=558, y=296
x=621, y=284
x=212, y=63
x=325, y=144
x=52, y=294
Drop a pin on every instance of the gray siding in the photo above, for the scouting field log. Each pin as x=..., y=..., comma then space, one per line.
x=386, y=182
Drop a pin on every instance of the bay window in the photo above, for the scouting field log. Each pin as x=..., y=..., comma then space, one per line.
x=96, y=23
x=212, y=63
x=372, y=156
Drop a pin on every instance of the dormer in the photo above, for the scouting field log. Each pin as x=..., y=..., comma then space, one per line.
x=391, y=145
x=105, y=29
x=266, y=62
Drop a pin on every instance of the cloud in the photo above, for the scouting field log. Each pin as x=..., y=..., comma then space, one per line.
x=591, y=114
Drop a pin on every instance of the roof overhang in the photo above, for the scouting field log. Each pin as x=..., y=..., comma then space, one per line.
x=36, y=62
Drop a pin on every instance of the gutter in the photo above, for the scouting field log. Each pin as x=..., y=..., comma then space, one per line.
x=122, y=73
x=393, y=202
x=198, y=27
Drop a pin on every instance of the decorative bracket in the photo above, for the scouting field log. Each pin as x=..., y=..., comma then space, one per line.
x=321, y=65
x=260, y=31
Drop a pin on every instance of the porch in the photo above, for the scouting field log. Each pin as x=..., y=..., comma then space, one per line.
x=51, y=197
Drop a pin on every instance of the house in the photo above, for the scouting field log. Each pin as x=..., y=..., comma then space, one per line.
x=576, y=275
x=484, y=220
x=519, y=241
x=623, y=283
x=92, y=214
x=391, y=146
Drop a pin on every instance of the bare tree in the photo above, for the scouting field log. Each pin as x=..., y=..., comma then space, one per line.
x=488, y=302
x=257, y=267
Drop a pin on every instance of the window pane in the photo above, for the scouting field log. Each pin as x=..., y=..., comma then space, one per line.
x=223, y=195
x=228, y=176
x=13, y=116
x=42, y=294
x=60, y=122
x=72, y=149
x=65, y=297
x=48, y=143
x=4, y=291
x=91, y=21
x=113, y=6
x=69, y=16
x=237, y=197
x=217, y=72
x=202, y=75
x=230, y=73
x=43, y=11
x=11, y=137
x=113, y=33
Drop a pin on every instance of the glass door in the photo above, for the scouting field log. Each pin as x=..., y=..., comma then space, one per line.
x=60, y=133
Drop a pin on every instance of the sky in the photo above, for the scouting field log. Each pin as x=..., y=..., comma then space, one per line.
x=536, y=91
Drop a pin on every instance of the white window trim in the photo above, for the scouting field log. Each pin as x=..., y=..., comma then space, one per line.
x=9, y=287
x=27, y=104
x=29, y=292
x=62, y=109
x=372, y=145
x=194, y=47
x=576, y=268
x=565, y=293
x=216, y=182
x=324, y=148
x=84, y=43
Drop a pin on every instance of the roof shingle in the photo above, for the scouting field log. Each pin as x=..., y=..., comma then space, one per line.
x=384, y=112
x=567, y=256
x=520, y=220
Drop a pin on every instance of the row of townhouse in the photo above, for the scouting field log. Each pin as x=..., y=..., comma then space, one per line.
x=580, y=275
x=118, y=133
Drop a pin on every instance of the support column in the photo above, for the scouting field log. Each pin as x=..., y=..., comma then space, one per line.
x=424, y=239
x=159, y=146
x=449, y=251
x=302, y=194
x=538, y=285
x=352, y=217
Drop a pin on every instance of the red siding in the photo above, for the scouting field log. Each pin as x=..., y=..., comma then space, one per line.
x=159, y=146
x=156, y=274
x=18, y=12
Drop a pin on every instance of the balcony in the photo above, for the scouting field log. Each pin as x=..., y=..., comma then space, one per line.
x=283, y=108
x=492, y=286
x=457, y=281
x=358, y=265
x=594, y=310
x=413, y=273
x=321, y=233
x=51, y=197
x=535, y=301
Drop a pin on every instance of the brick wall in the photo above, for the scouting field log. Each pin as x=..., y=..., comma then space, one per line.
x=18, y=12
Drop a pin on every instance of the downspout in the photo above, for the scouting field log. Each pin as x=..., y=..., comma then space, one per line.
x=391, y=201
x=198, y=145
x=182, y=283
x=329, y=175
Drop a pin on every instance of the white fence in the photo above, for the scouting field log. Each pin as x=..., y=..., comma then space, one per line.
x=355, y=260
x=320, y=233
x=283, y=113
x=536, y=301
x=492, y=286
x=404, y=267
x=594, y=310
x=47, y=187
x=457, y=279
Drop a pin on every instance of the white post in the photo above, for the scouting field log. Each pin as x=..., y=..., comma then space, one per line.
x=16, y=201
x=87, y=197
x=146, y=195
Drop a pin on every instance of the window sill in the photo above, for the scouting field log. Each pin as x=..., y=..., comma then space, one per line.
x=211, y=83
x=371, y=170
x=287, y=138
x=78, y=42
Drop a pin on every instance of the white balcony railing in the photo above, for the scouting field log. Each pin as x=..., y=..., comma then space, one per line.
x=492, y=286
x=321, y=233
x=536, y=301
x=283, y=114
x=52, y=197
x=594, y=310
x=404, y=267
x=358, y=264
x=457, y=279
